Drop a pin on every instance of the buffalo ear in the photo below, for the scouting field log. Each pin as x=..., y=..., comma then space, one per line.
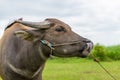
x=25, y=35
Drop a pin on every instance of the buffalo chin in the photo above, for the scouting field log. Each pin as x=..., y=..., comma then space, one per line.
x=84, y=54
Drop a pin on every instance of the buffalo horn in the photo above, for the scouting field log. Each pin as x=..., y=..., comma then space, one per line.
x=39, y=25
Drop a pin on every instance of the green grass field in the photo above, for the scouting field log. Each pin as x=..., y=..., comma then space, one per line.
x=79, y=69
x=85, y=69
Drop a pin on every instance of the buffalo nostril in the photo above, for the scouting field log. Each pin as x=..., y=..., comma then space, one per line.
x=88, y=41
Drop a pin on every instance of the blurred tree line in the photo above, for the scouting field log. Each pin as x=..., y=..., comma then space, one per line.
x=106, y=53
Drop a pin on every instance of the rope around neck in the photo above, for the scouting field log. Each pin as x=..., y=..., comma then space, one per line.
x=51, y=46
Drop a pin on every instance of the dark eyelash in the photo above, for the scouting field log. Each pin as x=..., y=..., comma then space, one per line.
x=60, y=29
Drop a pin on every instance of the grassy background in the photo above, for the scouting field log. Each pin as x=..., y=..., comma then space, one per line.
x=79, y=69
x=85, y=69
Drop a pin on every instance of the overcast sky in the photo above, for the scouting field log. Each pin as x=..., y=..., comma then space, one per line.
x=98, y=20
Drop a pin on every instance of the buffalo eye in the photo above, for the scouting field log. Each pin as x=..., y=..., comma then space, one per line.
x=59, y=29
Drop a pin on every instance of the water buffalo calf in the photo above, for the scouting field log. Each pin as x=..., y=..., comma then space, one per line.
x=25, y=47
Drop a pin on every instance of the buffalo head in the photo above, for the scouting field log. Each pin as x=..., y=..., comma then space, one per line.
x=64, y=42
